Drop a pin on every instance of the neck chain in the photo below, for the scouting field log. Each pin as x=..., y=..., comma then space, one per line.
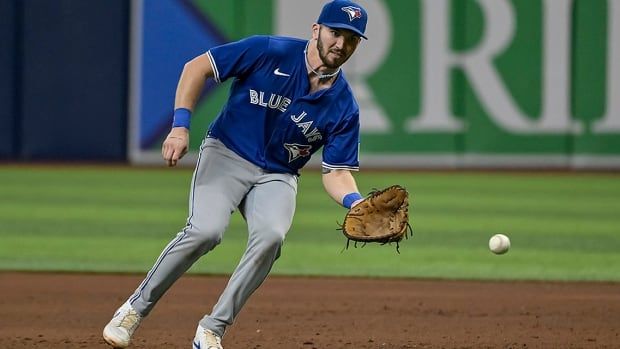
x=321, y=76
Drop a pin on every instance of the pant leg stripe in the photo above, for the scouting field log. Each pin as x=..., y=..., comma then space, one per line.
x=172, y=243
x=170, y=246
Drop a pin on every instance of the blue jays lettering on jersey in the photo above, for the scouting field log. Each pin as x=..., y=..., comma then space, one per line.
x=271, y=118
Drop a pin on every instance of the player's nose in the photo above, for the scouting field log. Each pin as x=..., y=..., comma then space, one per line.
x=340, y=41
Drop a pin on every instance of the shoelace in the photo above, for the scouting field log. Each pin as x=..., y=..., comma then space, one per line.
x=213, y=340
x=130, y=321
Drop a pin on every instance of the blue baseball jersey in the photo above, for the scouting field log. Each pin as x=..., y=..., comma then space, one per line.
x=271, y=119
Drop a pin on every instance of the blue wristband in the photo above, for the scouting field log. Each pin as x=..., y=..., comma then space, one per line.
x=181, y=118
x=350, y=198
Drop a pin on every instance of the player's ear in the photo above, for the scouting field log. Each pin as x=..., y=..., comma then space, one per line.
x=315, y=31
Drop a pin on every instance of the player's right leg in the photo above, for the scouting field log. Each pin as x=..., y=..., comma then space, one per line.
x=219, y=184
x=268, y=209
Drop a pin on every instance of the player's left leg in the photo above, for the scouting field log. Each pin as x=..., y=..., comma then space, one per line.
x=268, y=209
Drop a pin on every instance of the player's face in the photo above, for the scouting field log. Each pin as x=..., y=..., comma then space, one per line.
x=335, y=45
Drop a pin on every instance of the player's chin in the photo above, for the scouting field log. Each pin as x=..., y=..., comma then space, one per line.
x=335, y=62
x=336, y=59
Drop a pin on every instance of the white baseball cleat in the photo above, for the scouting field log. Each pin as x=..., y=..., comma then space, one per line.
x=124, y=323
x=206, y=339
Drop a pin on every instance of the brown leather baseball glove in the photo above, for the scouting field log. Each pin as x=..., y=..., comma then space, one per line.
x=381, y=217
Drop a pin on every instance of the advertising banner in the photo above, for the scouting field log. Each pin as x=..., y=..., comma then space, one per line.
x=440, y=83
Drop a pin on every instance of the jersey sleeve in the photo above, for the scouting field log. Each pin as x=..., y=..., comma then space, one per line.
x=341, y=151
x=237, y=58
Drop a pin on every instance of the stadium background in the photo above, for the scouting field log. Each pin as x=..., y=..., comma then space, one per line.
x=441, y=83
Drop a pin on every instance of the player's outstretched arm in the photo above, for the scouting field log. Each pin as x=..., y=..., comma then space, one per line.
x=195, y=74
x=338, y=184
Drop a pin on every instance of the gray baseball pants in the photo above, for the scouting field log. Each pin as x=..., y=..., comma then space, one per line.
x=223, y=182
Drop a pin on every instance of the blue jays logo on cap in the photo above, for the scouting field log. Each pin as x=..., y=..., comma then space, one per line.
x=344, y=14
x=353, y=12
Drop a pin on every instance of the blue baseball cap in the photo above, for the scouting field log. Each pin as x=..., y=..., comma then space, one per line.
x=344, y=14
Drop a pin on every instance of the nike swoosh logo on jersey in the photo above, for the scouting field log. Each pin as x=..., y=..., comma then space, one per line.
x=279, y=73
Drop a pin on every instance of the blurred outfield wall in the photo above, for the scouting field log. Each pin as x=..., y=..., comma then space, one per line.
x=63, y=79
x=442, y=83
x=525, y=83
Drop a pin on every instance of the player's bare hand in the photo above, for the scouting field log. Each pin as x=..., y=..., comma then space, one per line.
x=175, y=146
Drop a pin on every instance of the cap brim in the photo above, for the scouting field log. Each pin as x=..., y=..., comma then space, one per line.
x=345, y=26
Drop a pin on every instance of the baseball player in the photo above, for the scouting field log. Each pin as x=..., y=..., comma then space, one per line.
x=288, y=99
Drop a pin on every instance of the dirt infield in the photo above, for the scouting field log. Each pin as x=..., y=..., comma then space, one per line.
x=69, y=311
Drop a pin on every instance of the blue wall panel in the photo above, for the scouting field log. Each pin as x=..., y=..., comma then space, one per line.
x=74, y=79
x=7, y=79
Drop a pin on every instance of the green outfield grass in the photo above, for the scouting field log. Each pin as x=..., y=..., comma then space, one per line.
x=562, y=226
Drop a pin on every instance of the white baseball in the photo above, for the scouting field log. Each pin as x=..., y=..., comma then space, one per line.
x=499, y=243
